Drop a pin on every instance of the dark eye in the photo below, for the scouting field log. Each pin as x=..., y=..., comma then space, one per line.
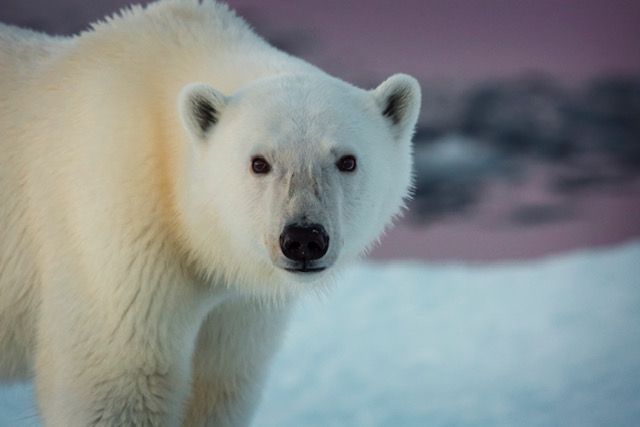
x=347, y=163
x=260, y=166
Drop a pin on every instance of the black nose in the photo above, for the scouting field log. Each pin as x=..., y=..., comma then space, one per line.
x=304, y=242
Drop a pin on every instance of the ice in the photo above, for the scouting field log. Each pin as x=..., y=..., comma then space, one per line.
x=552, y=342
x=548, y=343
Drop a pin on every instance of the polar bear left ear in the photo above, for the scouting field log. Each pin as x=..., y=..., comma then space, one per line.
x=200, y=108
x=398, y=100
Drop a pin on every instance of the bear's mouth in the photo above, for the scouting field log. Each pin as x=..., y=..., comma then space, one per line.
x=306, y=269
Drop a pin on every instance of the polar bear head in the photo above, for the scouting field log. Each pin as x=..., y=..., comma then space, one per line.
x=292, y=176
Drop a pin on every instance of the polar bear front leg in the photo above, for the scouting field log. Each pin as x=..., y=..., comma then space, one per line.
x=109, y=363
x=235, y=345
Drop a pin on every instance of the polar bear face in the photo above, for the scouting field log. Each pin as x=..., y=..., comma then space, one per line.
x=293, y=175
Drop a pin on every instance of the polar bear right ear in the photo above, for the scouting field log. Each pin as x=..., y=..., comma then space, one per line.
x=200, y=107
x=398, y=100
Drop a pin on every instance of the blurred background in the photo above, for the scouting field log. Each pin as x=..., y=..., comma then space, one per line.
x=529, y=138
x=508, y=294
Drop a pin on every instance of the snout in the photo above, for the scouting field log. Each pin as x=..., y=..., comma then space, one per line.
x=304, y=244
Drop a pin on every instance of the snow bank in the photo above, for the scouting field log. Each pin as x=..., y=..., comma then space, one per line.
x=548, y=343
x=554, y=342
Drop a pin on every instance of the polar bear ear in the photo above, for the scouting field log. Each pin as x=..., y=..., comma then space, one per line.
x=200, y=108
x=398, y=99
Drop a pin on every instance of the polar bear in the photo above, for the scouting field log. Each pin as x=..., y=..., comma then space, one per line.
x=169, y=183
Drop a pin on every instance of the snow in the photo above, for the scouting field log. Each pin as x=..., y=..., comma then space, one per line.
x=553, y=342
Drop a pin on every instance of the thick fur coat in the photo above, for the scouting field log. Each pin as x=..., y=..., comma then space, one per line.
x=142, y=275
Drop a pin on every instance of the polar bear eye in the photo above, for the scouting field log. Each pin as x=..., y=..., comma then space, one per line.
x=260, y=166
x=347, y=163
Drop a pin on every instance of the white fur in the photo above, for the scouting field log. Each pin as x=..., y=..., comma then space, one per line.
x=141, y=281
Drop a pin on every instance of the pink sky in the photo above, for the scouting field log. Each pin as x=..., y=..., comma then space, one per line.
x=463, y=39
x=467, y=40
x=452, y=40
x=595, y=219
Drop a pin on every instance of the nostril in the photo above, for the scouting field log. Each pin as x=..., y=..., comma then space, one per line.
x=292, y=246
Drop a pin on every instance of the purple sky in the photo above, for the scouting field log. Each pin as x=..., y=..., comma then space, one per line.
x=451, y=40
x=597, y=219
x=463, y=39
x=467, y=40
